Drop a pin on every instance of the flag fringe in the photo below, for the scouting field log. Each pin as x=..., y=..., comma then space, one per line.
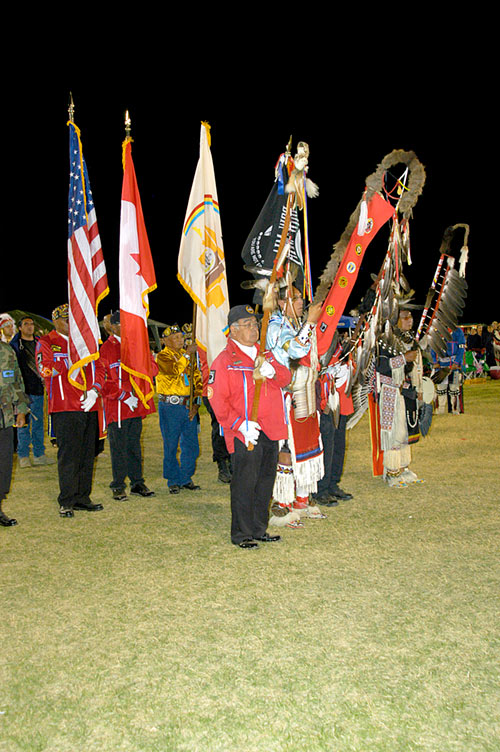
x=127, y=141
x=190, y=292
x=207, y=127
x=80, y=364
x=80, y=154
x=145, y=303
x=143, y=397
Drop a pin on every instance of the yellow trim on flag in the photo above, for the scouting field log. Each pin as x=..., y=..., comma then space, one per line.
x=128, y=140
x=192, y=294
x=101, y=297
x=81, y=365
x=80, y=149
x=143, y=397
x=207, y=130
x=145, y=303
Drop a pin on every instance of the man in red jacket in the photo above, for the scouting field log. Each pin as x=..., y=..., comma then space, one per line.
x=74, y=417
x=231, y=391
x=124, y=414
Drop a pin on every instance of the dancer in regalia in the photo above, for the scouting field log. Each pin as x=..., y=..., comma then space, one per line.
x=449, y=375
x=301, y=455
x=399, y=387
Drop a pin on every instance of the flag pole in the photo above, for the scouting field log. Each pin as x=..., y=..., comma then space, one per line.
x=71, y=116
x=128, y=127
x=71, y=107
x=192, y=360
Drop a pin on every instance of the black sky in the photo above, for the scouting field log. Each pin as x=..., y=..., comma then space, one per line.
x=351, y=116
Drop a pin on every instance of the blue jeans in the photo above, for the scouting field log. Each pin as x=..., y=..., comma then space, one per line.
x=177, y=429
x=32, y=433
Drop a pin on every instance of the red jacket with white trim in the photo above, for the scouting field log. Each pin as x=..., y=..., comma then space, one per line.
x=117, y=386
x=52, y=363
x=231, y=388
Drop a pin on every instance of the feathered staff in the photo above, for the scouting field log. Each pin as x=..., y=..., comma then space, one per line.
x=446, y=297
x=359, y=220
x=297, y=188
x=374, y=209
x=377, y=205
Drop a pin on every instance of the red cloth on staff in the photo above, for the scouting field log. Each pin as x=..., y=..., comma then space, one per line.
x=379, y=212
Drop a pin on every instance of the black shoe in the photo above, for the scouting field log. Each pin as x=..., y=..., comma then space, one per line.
x=247, y=544
x=119, y=494
x=191, y=486
x=325, y=501
x=225, y=474
x=141, y=490
x=89, y=507
x=7, y=521
x=66, y=512
x=339, y=494
x=266, y=538
x=174, y=489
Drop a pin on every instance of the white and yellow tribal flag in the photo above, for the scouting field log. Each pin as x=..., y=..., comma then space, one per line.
x=201, y=264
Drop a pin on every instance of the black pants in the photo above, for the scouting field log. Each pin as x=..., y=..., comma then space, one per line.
x=76, y=436
x=219, y=449
x=126, y=453
x=333, y=452
x=252, y=487
x=6, y=459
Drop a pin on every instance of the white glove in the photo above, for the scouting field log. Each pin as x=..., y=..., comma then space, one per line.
x=342, y=375
x=250, y=431
x=132, y=401
x=267, y=370
x=340, y=372
x=89, y=401
x=334, y=370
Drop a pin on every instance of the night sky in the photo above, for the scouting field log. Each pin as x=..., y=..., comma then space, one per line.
x=350, y=120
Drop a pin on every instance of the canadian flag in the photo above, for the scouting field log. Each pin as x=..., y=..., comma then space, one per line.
x=137, y=279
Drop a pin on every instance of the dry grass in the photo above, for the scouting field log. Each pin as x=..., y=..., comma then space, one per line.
x=142, y=628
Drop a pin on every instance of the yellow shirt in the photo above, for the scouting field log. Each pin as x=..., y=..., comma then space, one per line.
x=174, y=373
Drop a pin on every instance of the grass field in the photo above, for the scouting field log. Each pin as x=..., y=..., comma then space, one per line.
x=142, y=628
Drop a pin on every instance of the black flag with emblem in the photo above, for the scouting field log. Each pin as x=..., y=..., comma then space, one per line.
x=262, y=243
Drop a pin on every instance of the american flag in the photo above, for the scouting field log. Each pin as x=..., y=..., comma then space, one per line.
x=87, y=280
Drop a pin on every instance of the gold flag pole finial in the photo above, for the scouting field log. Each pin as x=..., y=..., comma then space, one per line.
x=128, y=125
x=288, y=149
x=128, y=138
x=71, y=107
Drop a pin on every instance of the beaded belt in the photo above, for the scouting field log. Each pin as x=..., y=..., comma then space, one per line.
x=173, y=399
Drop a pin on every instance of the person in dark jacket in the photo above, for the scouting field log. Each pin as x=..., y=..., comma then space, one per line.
x=32, y=434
